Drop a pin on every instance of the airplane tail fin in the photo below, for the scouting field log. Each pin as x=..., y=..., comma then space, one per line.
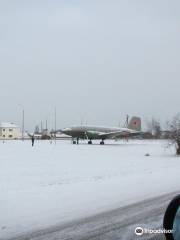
x=135, y=124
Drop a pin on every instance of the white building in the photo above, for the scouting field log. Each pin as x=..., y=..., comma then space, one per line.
x=9, y=131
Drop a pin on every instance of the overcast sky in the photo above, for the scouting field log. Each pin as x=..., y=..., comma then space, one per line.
x=94, y=60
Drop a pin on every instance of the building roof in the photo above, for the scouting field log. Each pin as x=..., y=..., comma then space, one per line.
x=8, y=125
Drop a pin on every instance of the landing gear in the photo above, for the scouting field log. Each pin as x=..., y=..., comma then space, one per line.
x=75, y=141
x=102, y=142
x=90, y=142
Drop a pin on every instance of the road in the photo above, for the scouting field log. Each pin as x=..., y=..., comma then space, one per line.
x=118, y=224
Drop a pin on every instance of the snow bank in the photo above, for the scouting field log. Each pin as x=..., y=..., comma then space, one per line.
x=52, y=184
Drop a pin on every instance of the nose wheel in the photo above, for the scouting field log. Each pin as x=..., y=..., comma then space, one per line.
x=90, y=142
x=75, y=141
x=102, y=142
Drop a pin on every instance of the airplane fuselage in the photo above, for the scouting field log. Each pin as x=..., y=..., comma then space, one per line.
x=92, y=132
x=97, y=132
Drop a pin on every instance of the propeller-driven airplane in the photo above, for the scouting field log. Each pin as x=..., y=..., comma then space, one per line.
x=102, y=133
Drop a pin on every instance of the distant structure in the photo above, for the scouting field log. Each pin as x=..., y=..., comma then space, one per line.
x=9, y=131
x=45, y=135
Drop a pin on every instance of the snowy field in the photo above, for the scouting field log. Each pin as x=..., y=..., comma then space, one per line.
x=53, y=184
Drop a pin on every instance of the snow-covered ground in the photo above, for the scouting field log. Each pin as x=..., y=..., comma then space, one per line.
x=52, y=184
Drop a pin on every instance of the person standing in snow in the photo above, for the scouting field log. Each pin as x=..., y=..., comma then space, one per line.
x=32, y=139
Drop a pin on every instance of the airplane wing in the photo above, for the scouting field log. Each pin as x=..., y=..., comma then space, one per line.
x=120, y=134
x=36, y=136
x=93, y=134
x=29, y=134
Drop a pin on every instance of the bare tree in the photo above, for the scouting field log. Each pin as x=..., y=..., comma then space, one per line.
x=154, y=127
x=174, y=127
x=36, y=130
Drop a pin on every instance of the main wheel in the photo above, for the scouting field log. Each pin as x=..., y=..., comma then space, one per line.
x=89, y=142
x=74, y=142
x=102, y=142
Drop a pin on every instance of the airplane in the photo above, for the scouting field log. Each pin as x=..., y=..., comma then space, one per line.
x=102, y=133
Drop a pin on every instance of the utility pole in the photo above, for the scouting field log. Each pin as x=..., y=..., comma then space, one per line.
x=22, y=107
x=55, y=116
x=127, y=120
x=46, y=125
x=41, y=127
x=23, y=124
